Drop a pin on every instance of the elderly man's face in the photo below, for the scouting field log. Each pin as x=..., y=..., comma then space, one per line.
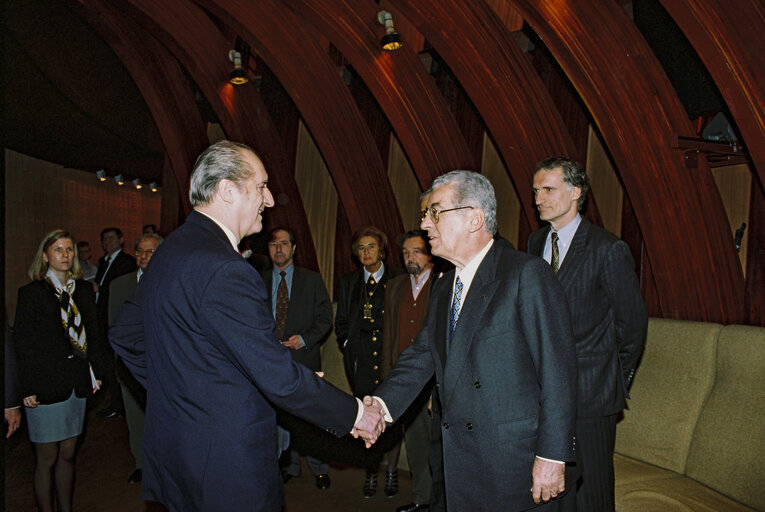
x=252, y=197
x=416, y=257
x=145, y=251
x=452, y=226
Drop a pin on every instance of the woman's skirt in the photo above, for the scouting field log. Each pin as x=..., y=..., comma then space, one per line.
x=56, y=422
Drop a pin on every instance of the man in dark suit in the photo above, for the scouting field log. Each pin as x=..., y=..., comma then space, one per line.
x=114, y=264
x=498, y=337
x=406, y=301
x=608, y=315
x=198, y=334
x=133, y=394
x=303, y=316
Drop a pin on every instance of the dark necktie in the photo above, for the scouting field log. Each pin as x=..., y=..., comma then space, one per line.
x=454, y=313
x=282, y=305
x=555, y=258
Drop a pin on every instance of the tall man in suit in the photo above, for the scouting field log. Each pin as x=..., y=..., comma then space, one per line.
x=498, y=337
x=198, y=334
x=406, y=301
x=113, y=264
x=608, y=315
x=133, y=394
x=303, y=314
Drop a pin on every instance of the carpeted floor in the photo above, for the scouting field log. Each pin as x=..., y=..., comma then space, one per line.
x=104, y=463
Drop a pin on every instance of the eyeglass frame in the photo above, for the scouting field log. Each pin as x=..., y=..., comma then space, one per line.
x=435, y=214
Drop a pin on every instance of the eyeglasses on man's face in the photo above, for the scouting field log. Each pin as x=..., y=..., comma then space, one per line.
x=435, y=214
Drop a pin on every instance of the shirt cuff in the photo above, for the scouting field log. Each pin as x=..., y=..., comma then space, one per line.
x=551, y=460
x=302, y=342
x=359, y=413
x=386, y=414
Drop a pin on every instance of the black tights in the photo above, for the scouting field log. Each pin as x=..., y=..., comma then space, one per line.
x=54, y=468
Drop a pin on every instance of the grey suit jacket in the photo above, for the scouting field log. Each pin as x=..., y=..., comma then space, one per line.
x=506, y=383
x=608, y=315
x=309, y=314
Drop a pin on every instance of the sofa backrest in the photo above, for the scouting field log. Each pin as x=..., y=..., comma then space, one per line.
x=728, y=448
x=671, y=385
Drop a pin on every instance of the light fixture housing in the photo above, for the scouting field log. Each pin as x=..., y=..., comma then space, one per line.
x=391, y=40
x=137, y=184
x=153, y=186
x=238, y=75
x=119, y=180
x=101, y=175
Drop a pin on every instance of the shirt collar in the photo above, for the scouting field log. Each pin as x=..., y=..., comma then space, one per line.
x=288, y=271
x=377, y=275
x=567, y=232
x=467, y=274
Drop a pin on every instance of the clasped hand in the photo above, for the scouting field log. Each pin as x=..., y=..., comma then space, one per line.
x=371, y=424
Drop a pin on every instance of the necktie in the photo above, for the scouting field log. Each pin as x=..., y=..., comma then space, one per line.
x=455, y=311
x=555, y=253
x=282, y=305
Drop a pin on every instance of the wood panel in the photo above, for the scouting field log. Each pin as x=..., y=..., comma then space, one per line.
x=500, y=81
x=639, y=114
x=199, y=45
x=397, y=80
x=755, y=259
x=292, y=52
x=170, y=100
x=728, y=37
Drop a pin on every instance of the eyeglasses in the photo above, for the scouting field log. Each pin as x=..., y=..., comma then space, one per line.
x=138, y=252
x=435, y=214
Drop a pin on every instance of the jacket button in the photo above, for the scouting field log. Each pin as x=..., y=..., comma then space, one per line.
x=374, y=338
x=469, y=426
x=375, y=367
x=446, y=425
x=374, y=354
x=477, y=384
x=377, y=382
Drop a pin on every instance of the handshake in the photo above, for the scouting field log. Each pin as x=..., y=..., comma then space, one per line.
x=372, y=422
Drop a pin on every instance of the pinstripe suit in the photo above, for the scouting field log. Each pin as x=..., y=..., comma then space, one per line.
x=609, y=319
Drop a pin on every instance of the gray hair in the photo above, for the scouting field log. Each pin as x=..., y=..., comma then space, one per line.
x=147, y=236
x=471, y=189
x=224, y=160
x=573, y=175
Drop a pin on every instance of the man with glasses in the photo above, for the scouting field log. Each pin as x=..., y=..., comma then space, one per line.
x=133, y=394
x=498, y=337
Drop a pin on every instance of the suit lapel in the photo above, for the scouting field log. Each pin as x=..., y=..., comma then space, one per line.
x=474, y=305
x=537, y=242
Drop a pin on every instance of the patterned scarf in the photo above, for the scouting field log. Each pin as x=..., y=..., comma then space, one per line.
x=70, y=314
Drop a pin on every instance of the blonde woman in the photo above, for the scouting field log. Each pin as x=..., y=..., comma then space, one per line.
x=55, y=329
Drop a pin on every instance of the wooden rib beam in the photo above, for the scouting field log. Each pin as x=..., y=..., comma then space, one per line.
x=728, y=36
x=500, y=81
x=407, y=95
x=309, y=76
x=170, y=101
x=639, y=114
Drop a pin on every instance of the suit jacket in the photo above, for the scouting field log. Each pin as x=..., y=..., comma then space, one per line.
x=506, y=383
x=199, y=336
x=46, y=363
x=359, y=356
x=397, y=290
x=123, y=263
x=309, y=314
x=608, y=315
x=120, y=290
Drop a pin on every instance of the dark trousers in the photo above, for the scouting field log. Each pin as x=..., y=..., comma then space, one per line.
x=596, y=438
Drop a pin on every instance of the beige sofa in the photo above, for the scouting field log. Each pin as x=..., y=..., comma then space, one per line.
x=693, y=438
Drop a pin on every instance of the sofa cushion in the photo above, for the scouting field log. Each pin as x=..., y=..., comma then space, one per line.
x=671, y=385
x=728, y=448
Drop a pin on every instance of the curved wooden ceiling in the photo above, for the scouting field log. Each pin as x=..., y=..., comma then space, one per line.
x=604, y=56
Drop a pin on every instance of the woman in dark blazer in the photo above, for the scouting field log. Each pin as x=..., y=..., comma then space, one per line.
x=54, y=330
x=359, y=330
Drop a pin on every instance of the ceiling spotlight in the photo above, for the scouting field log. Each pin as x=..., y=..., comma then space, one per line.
x=391, y=40
x=120, y=181
x=153, y=186
x=101, y=175
x=237, y=76
x=137, y=184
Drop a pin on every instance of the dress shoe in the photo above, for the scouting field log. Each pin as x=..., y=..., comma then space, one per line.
x=413, y=507
x=108, y=412
x=135, y=476
x=370, y=484
x=391, y=483
x=323, y=482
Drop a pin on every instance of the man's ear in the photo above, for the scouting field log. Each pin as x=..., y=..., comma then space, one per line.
x=477, y=219
x=225, y=190
x=576, y=193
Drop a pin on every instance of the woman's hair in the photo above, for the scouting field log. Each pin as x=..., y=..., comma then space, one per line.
x=40, y=267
